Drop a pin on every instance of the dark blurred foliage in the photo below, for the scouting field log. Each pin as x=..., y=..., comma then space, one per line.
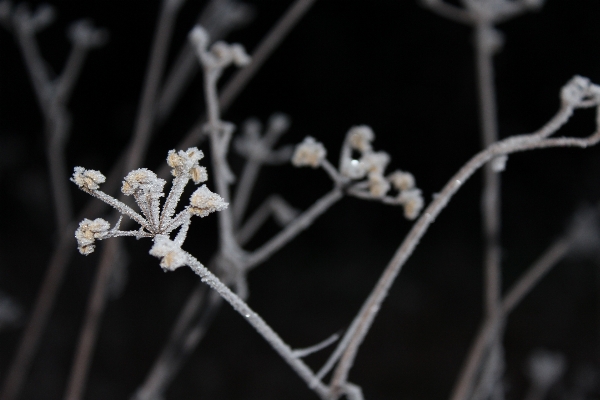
x=393, y=65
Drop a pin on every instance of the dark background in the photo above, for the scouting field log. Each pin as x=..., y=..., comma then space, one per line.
x=390, y=64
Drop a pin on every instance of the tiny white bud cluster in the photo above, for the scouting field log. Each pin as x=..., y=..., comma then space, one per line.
x=362, y=175
x=87, y=179
x=372, y=164
x=204, y=202
x=88, y=232
x=309, y=153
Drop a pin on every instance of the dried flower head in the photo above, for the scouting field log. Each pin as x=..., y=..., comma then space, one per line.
x=155, y=220
x=309, y=153
x=378, y=185
x=204, y=202
x=412, y=200
x=88, y=232
x=143, y=179
x=375, y=161
x=187, y=162
x=87, y=179
x=360, y=138
x=402, y=180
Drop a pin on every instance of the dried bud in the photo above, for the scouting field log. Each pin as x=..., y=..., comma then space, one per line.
x=309, y=153
x=239, y=55
x=402, y=180
x=378, y=185
x=87, y=179
x=376, y=162
x=143, y=179
x=412, y=201
x=187, y=162
x=204, y=202
x=575, y=91
x=88, y=232
x=199, y=38
x=360, y=138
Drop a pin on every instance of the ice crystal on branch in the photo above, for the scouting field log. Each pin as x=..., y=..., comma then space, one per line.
x=147, y=190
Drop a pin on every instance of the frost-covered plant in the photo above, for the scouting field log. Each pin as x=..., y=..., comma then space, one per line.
x=361, y=172
x=155, y=222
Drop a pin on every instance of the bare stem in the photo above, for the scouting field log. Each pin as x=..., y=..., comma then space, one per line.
x=513, y=297
x=490, y=196
x=293, y=228
x=44, y=303
x=89, y=332
x=260, y=325
x=183, y=340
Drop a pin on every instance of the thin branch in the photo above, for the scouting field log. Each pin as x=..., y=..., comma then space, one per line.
x=183, y=340
x=259, y=324
x=299, y=224
x=513, y=297
x=266, y=47
x=491, y=194
x=272, y=206
x=301, y=353
x=448, y=11
x=89, y=332
x=158, y=56
x=44, y=303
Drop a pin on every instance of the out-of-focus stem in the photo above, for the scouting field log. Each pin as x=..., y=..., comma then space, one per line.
x=513, y=297
x=44, y=303
x=89, y=332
